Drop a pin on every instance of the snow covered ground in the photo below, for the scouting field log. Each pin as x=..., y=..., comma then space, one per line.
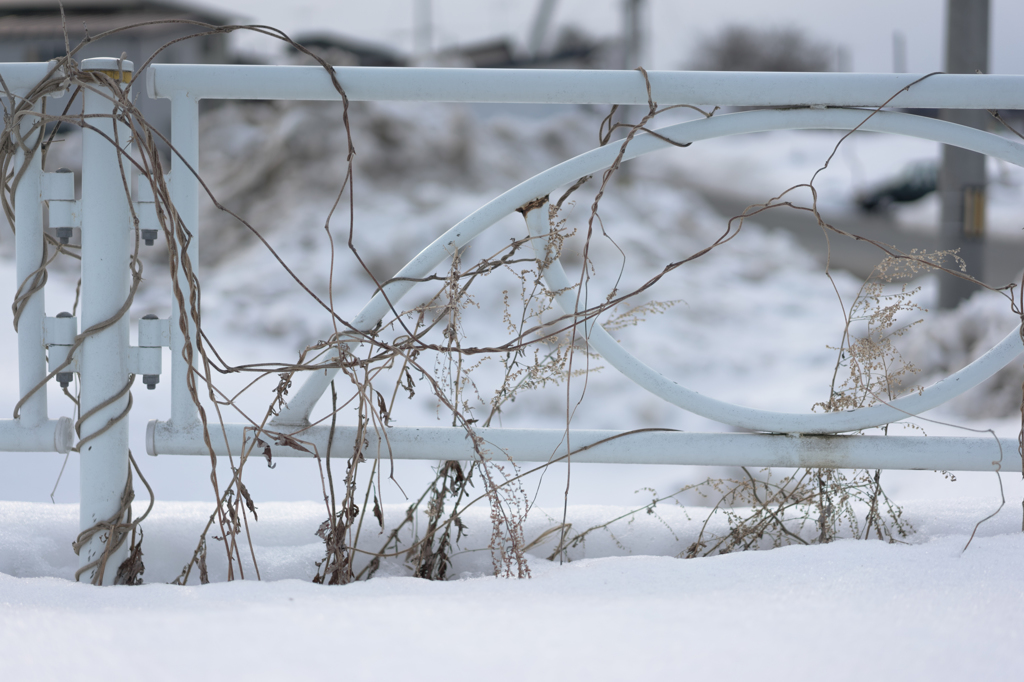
x=752, y=323
x=847, y=611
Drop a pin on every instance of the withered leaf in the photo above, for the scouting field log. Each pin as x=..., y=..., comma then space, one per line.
x=131, y=569
x=451, y=466
x=266, y=453
x=204, y=574
x=382, y=407
x=378, y=513
x=248, y=500
x=290, y=442
x=321, y=532
x=457, y=520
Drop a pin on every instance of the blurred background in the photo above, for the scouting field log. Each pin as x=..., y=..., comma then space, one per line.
x=756, y=324
x=864, y=36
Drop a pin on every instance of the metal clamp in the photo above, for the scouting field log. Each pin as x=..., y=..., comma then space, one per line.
x=59, y=334
x=58, y=190
x=145, y=359
x=145, y=208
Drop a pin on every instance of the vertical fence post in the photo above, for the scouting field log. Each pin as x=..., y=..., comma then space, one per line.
x=106, y=251
x=28, y=223
x=185, y=196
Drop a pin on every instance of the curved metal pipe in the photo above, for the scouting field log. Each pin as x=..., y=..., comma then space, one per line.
x=300, y=407
x=750, y=418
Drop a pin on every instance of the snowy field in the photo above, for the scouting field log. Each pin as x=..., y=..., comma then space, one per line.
x=751, y=323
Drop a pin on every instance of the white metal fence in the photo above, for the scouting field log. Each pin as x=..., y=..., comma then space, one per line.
x=105, y=358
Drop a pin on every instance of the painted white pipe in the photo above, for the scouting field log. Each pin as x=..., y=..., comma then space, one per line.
x=53, y=435
x=698, y=88
x=301, y=405
x=29, y=249
x=106, y=250
x=641, y=447
x=185, y=197
x=33, y=431
x=21, y=77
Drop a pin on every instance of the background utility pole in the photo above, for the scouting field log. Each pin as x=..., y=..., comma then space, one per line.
x=633, y=55
x=899, y=52
x=423, y=32
x=632, y=34
x=541, y=23
x=962, y=180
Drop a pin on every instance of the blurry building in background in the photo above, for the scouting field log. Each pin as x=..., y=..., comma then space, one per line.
x=572, y=50
x=32, y=31
x=339, y=50
x=748, y=48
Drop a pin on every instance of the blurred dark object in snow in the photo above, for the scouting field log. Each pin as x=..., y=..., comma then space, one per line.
x=915, y=181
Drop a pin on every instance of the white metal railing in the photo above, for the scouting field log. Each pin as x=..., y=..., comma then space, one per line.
x=784, y=439
x=31, y=429
x=509, y=86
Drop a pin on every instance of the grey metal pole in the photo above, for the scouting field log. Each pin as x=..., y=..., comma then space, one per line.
x=962, y=180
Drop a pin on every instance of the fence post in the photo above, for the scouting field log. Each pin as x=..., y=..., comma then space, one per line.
x=184, y=190
x=106, y=250
x=28, y=222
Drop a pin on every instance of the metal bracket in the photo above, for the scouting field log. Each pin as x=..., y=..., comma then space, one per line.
x=147, y=362
x=145, y=209
x=146, y=358
x=58, y=191
x=59, y=335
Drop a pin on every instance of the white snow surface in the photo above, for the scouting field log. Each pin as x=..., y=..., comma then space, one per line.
x=846, y=611
x=752, y=324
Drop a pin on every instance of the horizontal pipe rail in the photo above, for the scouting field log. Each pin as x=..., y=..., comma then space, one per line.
x=20, y=77
x=552, y=86
x=52, y=435
x=609, y=447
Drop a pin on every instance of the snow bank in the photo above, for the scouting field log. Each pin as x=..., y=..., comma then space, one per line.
x=846, y=611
